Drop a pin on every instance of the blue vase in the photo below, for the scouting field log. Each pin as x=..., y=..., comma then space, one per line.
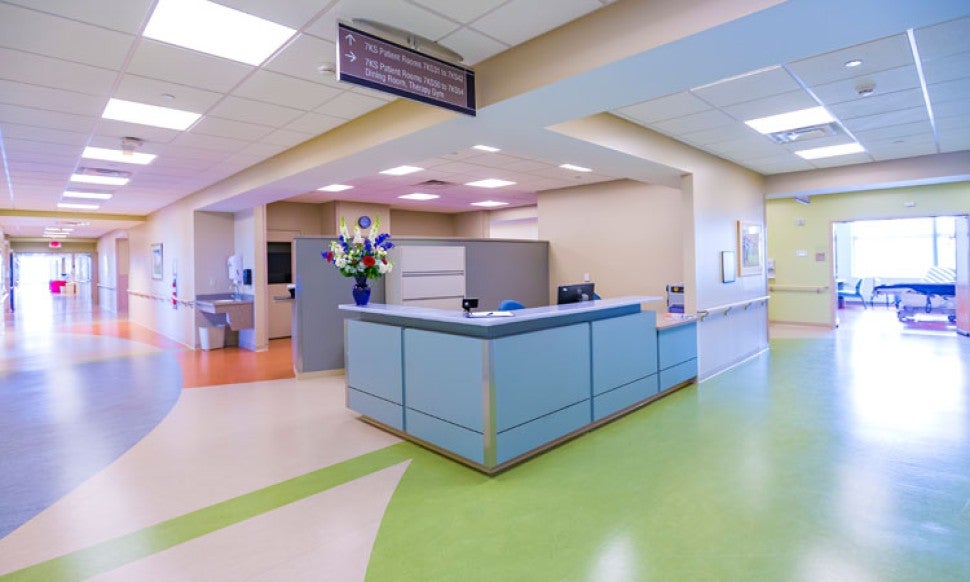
x=361, y=290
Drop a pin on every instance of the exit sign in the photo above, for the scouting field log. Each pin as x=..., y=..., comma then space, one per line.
x=54, y=244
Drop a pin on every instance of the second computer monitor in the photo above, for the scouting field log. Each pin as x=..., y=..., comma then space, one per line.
x=574, y=293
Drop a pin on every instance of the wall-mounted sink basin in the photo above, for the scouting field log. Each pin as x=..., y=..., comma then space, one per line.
x=232, y=308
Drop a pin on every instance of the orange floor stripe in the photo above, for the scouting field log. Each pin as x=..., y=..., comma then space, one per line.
x=232, y=365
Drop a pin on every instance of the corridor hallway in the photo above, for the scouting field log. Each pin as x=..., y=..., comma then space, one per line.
x=838, y=455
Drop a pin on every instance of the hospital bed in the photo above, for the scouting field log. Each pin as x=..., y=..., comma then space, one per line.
x=922, y=297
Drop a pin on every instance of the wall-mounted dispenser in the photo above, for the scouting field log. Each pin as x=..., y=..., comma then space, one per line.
x=234, y=266
x=247, y=278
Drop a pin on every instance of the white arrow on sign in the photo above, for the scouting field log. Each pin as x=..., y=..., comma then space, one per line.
x=350, y=39
x=351, y=56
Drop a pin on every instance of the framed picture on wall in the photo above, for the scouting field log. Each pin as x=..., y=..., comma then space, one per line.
x=729, y=267
x=750, y=248
x=157, y=261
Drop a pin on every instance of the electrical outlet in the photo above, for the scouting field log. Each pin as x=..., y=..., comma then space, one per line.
x=585, y=277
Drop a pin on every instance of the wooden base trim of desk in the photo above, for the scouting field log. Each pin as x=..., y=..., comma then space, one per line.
x=490, y=471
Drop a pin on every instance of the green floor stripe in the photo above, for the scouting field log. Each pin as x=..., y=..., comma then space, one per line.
x=113, y=553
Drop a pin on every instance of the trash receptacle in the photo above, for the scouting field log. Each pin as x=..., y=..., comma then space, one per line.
x=212, y=337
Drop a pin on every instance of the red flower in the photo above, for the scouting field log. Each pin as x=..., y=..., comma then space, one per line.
x=369, y=261
x=330, y=256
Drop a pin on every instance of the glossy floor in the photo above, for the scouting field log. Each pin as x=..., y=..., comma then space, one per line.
x=838, y=455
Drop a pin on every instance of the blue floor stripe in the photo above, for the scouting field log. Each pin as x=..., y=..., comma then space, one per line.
x=63, y=424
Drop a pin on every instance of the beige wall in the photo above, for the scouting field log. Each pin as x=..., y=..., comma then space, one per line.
x=214, y=243
x=787, y=238
x=307, y=219
x=412, y=223
x=471, y=224
x=516, y=223
x=112, y=272
x=618, y=232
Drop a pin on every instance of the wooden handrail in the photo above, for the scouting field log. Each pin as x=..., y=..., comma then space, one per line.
x=160, y=298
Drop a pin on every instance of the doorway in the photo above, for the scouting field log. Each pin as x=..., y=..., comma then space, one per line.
x=51, y=288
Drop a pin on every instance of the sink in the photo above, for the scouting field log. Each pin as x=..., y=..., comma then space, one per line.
x=232, y=308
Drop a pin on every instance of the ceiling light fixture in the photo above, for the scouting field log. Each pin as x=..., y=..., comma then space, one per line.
x=335, y=188
x=123, y=156
x=574, y=168
x=490, y=203
x=486, y=148
x=87, y=195
x=104, y=180
x=216, y=30
x=78, y=205
x=419, y=196
x=790, y=120
x=401, y=170
x=153, y=115
x=853, y=63
x=831, y=151
x=489, y=183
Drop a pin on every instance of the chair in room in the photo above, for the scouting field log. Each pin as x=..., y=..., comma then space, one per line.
x=510, y=305
x=852, y=292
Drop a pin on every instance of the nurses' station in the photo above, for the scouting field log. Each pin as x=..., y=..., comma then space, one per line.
x=493, y=391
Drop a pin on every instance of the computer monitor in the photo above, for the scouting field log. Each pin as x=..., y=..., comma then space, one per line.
x=574, y=293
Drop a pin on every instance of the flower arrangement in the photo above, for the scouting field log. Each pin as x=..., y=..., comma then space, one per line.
x=360, y=257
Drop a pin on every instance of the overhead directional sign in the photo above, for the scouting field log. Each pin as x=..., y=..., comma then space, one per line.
x=369, y=61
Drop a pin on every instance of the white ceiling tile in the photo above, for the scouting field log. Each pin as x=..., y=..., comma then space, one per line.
x=955, y=143
x=397, y=14
x=818, y=142
x=292, y=13
x=166, y=62
x=220, y=127
x=254, y=112
x=889, y=81
x=286, y=137
x=753, y=147
x=943, y=39
x=836, y=161
x=473, y=46
x=958, y=90
x=774, y=81
x=719, y=134
x=349, y=105
x=877, y=103
x=669, y=107
x=949, y=109
x=27, y=147
x=896, y=149
x=945, y=124
x=31, y=31
x=879, y=55
x=526, y=166
x=50, y=72
x=779, y=165
x=285, y=90
x=947, y=68
x=301, y=58
x=53, y=99
x=386, y=97
x=43, y=134
x=886, y=119
x=695, y=122
x=45, y=118
x=126, y=16
x=521, y=20
x=896, y=131
x=209, y=142
x=315, y=123
x=792, y=101
x=463, y=12
x=151, y=91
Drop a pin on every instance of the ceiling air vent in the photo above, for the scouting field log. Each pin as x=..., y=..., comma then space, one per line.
x=102, y=172
x=805, y=133
x=433, y=184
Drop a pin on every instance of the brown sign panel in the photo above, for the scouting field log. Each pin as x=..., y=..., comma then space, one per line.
x=369, y=61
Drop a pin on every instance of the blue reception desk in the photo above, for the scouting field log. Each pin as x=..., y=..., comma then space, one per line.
x=491, y=392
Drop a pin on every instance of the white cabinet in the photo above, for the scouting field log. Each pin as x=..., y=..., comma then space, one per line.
x=427, y=276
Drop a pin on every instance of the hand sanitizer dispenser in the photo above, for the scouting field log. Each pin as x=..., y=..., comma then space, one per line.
x=234, y=266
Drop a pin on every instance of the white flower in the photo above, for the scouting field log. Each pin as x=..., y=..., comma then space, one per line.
x=383, y=268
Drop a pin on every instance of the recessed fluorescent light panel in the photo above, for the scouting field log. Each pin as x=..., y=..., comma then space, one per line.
x=791, y=120
x=831, y=151
x=87, y=195
x=217, y=30
x=118, y=156
x=490, y=203
x=486, y=148
x=401, y=170
x=490, y=183
x=574, y=168
x=105, y=180
x=419, y=196
x=78, y=205
x=153, y=115
x=335, y=188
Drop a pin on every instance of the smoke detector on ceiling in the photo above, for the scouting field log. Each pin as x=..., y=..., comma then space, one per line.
x=865, y=88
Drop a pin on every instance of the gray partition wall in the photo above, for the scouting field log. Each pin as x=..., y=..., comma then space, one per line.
x=494, y=270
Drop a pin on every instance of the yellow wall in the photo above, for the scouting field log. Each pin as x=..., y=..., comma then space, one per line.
x=786, y=238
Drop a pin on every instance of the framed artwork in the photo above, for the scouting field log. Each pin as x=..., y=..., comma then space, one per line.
x=750, y=248
x=729, y=267
x=157, y=261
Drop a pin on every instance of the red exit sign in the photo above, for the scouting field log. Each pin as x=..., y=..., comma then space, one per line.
x=54, y=244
